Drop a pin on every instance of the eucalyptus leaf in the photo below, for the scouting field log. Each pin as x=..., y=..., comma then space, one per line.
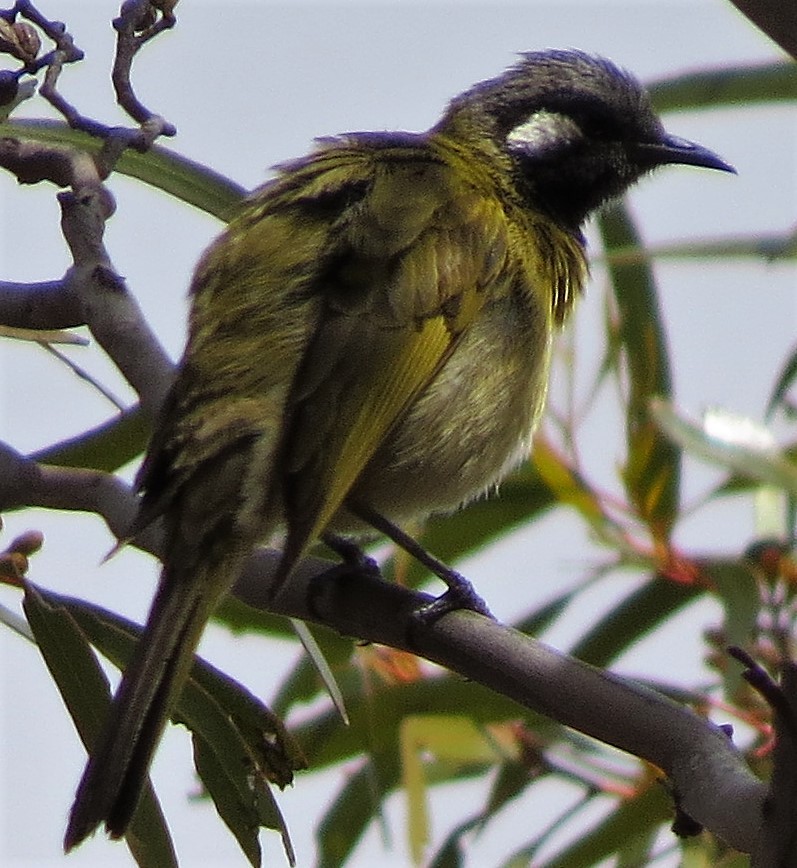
x=733, y=447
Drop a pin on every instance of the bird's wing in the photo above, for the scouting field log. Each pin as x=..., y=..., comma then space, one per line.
x=414, y=264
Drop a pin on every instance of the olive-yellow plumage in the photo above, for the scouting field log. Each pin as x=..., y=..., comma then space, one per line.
x=370, y=335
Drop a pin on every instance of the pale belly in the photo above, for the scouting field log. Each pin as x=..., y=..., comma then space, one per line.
x=474, y=423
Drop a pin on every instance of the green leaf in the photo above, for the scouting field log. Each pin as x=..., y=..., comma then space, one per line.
x=524, y=856
x=632, y=618
x=538, y=620
x=247, y=740
x=731, y=442
x=453, y=740
x=238, y=815
x=639, y=849
x=738, y=592
x=512, y=780
x=239, y=617
x=633, y=819
x=784, y=382
x=303, y=683
x=570, y=488
x=771, y=247
x=652, y=471
x=452, y=854
x=377, y=711
x=107, y=447
x=211, y=701
x=244, y=801
x=744, y=85
x=357, y=804
x=322, y=667
x=159, y=167
x=84, y=688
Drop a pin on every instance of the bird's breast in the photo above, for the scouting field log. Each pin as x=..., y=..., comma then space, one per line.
x=474, y=422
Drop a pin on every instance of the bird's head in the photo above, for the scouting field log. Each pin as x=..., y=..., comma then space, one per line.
x=575, y=130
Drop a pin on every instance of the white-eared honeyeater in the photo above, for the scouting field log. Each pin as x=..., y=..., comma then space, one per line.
x=369, y=337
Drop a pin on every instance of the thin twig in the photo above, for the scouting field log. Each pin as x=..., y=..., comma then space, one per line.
x=83, y=374
x=43, y=336
x=139, y=22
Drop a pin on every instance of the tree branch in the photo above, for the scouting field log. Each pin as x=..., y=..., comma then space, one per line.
x=110, y=310
x=25, y=483
x=52, y=304
x=709, y=776
x=776, y=18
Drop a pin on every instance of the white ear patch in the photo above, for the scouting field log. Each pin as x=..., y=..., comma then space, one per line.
x=543, y=133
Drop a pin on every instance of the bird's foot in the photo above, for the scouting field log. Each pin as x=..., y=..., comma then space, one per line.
x=353, y=557
x=460, y=595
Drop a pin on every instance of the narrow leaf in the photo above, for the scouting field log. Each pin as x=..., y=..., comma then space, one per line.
x=738, y=592
x=731, y=442
x=452, y=852
x=47, y=336
x=249, y=742
x=566, y=483
x=453, y=739
x=770, y=248
x=239, y=816
x=357, y=804
x=106, y=447
x=750, y=85
x=632, y=618
x=784, y=382
x=166, y=170
x=632, y=819
x=652, y=470
x=85, y=691
x=321, y=666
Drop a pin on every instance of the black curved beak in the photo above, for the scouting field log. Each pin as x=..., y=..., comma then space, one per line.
x=673, y=149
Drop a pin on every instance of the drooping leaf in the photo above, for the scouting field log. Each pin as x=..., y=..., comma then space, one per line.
x=84, y=688
x=784, y=382
x=451, y=854
x=238, y=814
x=715, y=88
x=356, y=805
x=246, y=739
x=570, y=488
x=303, y=684
x=652, y=470
x=731, y=442
x=244, y=801
x=736, y=588
x=321, y=666
x=107, y=447
x=441, y=738
x=632, y=819
x=635, y=616
x=513, y=779
x=186, y=180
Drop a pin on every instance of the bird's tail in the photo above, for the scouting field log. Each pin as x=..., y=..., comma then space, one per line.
x=119, y=763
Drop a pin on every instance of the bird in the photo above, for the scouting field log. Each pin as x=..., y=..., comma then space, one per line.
x=369, y=344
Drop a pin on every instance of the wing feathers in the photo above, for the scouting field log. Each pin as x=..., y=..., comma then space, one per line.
x=408, y=280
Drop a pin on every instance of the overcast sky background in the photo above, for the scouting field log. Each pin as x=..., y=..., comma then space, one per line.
x=249, y=85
